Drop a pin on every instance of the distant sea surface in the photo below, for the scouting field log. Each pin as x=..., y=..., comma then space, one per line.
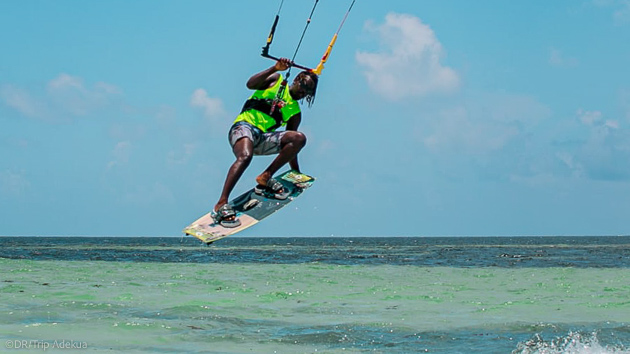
x=315, y=295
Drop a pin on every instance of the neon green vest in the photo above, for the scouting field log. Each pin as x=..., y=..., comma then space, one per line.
x=257, y=109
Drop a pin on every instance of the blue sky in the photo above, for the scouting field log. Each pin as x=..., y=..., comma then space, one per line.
x=433, y=118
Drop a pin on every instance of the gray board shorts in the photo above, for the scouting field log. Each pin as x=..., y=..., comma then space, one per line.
x=264, y=143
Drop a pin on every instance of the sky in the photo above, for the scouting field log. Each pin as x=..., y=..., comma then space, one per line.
x=432, y=118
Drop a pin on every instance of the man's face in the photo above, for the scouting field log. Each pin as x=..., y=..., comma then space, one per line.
x=302, y=86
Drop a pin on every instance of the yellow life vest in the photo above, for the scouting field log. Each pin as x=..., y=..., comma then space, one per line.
x=257, y=109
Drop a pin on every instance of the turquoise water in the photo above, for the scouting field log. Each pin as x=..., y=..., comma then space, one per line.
x=315, y=307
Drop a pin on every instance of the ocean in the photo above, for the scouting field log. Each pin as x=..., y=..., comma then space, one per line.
x=315, y=295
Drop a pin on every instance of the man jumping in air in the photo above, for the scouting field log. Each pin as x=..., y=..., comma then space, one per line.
x=254, y=133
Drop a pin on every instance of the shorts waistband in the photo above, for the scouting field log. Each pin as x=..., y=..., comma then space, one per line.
x=254, y=128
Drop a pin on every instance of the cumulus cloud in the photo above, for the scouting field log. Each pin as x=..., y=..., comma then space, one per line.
x=489, y=135
x=71, y=94
x=598, y=148
x=64, y=95
x=595, y=119
x=569, y=160
x=212, y=107
x=589, y=117
x=486, y=123
x=21, y=101
x=64, y=81
x=409, y=62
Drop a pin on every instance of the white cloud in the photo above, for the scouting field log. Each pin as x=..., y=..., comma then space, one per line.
x=120, y=154
x=595, y=119
x=576, y=168
x=595, y=147
x=65, y=95
x=487, y=122
x=66, y=81
x=70, y=93
x=611, y=124
x=212, y=107
x=409, y=64
x=589, y=117
x=107, y=89
x=21, y=101
x=459, y=130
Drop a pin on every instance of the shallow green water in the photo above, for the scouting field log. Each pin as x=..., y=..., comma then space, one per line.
x=295, y=308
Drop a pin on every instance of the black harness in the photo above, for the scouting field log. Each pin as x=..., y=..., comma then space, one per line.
x=264, y=106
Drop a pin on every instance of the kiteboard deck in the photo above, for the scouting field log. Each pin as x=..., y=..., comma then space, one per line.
x=250, y=208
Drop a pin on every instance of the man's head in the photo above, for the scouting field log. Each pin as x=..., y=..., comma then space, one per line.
x=304, y=86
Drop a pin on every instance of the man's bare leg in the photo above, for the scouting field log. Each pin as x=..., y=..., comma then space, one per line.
x=243, y=150
x=291, y=144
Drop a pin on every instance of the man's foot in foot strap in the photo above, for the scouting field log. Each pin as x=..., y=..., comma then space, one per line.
x=272, y=188
x=226, y=216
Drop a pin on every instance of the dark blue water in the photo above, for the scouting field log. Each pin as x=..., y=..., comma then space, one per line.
x=537, y=252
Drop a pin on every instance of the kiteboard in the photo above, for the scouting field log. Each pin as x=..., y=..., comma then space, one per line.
x=250, y=208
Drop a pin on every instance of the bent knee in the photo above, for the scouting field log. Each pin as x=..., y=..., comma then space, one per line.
x=244, y=156
x=298, y=139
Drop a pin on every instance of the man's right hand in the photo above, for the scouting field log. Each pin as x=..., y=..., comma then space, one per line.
x=282, y=64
